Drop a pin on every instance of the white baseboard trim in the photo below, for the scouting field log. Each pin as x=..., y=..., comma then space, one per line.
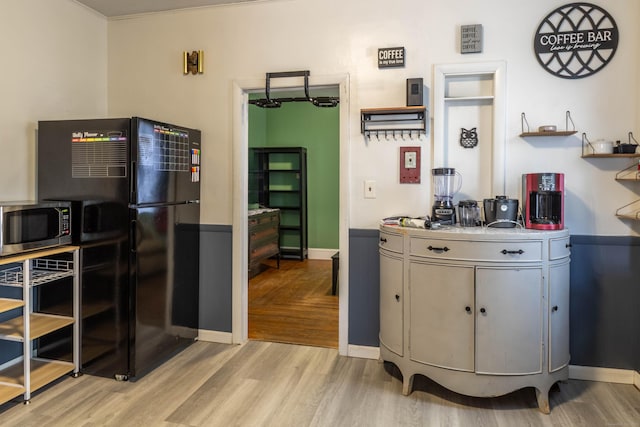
x=363, y=352
x=215, y=336
x=607, y=375
x=321, y=253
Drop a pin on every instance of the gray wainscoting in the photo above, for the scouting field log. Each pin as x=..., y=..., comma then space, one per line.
x=605, y=293
x=215, y=277
x=364, y=287
x=605, y=301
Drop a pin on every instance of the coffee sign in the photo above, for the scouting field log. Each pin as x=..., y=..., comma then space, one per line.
x=391, y=57
x=576, y=40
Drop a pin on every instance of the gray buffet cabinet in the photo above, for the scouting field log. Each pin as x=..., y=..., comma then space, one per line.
x=481, y=311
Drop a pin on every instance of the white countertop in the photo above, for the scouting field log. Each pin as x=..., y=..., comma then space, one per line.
x=476, y=233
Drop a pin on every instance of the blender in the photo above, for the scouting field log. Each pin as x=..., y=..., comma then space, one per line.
x=444, y=188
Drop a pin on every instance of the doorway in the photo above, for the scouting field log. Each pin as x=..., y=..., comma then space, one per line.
x=241, y=91
x=293, y=179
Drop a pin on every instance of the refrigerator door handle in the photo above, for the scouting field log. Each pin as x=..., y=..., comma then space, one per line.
x=134, y=182
x=133, y=235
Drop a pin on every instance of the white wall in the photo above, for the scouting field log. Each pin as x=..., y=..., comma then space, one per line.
x=54, y=66
x=242, y=42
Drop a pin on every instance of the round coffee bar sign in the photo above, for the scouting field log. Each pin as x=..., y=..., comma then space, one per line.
x=576, y=40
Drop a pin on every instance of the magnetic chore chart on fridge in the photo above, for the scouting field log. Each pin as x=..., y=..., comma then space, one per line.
x=98, y=154
x=166, y=149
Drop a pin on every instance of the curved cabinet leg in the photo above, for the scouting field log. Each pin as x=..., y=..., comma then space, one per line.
x=407, y=384
x=543, y=401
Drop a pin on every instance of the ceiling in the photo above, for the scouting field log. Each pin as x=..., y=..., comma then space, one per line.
x=113, y=8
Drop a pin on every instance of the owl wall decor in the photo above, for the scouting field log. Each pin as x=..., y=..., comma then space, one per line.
x=468, y=138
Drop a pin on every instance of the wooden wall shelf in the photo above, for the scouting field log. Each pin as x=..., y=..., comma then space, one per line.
x=528, y=133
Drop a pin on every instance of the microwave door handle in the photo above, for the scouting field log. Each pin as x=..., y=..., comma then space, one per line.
x=60, y=222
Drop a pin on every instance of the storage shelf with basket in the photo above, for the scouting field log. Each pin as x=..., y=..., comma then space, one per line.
x=23, y=323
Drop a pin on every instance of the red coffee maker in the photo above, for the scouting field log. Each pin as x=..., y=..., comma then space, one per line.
x=543, y=201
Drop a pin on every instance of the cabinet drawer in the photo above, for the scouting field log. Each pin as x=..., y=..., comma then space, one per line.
x=391, y=242
x=506, y=251
x=260, y=233
x=265, y=218
x=559, y=248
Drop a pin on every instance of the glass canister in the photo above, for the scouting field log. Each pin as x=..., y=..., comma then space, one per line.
x=468, y=213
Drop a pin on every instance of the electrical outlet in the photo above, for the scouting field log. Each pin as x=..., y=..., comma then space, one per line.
x=369, y=189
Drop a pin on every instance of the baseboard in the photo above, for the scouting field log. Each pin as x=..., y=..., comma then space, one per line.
x=636, y=379
x=607, y=375
x=215, y=336
x=321, y=253
x=363, y=352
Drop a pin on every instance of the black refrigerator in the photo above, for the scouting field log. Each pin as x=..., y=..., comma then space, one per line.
x=134, y=184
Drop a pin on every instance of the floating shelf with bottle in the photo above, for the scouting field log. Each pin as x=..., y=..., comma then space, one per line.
x=547, y=130
x=608, y=149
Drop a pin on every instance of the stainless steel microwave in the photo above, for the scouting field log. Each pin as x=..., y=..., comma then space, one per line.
x=26, y=226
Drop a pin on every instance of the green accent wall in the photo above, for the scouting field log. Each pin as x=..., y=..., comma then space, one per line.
x=301, y=124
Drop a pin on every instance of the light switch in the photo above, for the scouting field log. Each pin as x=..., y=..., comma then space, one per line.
x=369, y=189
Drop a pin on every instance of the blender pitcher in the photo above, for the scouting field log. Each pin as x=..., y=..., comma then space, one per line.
x=445, y=186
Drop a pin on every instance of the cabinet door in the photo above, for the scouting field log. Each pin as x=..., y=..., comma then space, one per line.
x=558, y=316
x=391, y=302
x=441, y=331
x=509, y=321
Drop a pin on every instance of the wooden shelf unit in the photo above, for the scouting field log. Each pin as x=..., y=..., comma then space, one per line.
x=280, y=182
x=27, y=271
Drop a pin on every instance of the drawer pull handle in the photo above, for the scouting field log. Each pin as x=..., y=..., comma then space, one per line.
x=518, y=252
x=554, y=308
x=467, y=309
x=445, y=249
x=568, y=245
x=397, y=297
x=383, y=240
x=483, y=310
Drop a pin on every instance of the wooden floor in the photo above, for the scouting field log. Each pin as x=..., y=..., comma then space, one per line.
x=275, y=384
x=294, y=304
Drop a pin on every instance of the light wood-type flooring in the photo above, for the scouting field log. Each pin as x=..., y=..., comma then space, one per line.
x=276, y=384
x=293, y=304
